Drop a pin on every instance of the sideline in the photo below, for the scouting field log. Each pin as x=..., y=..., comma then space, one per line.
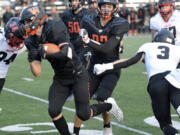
x=73, y=110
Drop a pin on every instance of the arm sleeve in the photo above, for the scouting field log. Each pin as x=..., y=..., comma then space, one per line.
x=106, y=47
x=129, y=62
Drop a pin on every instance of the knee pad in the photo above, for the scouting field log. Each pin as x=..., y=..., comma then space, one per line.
x=54, y=112
x=83, y=115
x=169, y=130
x=178, y=110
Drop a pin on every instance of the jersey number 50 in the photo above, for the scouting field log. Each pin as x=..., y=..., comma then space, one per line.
x=73, y=27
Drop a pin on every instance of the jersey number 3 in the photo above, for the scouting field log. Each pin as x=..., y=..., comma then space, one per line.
x=3, y=56
x=164, y=52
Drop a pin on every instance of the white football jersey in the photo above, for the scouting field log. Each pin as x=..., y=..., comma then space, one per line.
x=174, y=78
x=160, y=57
x=7, y=55
x=173, y=24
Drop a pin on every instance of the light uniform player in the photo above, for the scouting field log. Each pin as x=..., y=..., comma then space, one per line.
x=160, y=58
x=11, y=45
x=167, y=17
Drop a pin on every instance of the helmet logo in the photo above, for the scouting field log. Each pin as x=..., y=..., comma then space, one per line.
x=34, y=10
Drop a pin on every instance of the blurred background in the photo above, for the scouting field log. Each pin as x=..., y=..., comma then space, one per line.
x=137, y=12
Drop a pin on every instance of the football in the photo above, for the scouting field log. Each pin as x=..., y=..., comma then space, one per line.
x=51, y=48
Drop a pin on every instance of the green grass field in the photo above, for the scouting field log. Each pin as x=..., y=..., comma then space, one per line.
x=24, y=103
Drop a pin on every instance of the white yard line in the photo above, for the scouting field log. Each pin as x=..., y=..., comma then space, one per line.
x=73, y=110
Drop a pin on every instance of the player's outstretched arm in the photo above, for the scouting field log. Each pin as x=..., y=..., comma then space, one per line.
x=35, y=68
x=123, y=63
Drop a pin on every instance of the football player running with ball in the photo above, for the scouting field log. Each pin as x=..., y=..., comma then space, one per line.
x=69, y=73
x=103, y=32
x=11, y=45
x=161, y=59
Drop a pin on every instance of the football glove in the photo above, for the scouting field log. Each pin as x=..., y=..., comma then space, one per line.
x=84, y=35
x=42, y=51
x=100, y=68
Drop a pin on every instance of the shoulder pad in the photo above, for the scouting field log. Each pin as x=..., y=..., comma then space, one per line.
x=65, y=15
x=83, y=12
x=89, y=23
x=2, y=34
x=119, y=26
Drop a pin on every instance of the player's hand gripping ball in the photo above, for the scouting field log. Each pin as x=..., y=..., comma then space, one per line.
x=51, y=48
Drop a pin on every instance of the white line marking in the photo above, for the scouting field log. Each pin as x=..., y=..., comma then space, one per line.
x=73, y=110
x=28, y=79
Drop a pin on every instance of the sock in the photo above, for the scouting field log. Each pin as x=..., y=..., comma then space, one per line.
x=100, y=108
x=169, y=130
x=107, y=125
x=76, y=130
x=62, y=126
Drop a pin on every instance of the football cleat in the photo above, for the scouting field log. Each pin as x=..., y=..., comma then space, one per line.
x=107, y=131
x=115, y=110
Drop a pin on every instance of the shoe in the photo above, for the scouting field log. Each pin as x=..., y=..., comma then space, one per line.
x=115, y=110
x=107, y=131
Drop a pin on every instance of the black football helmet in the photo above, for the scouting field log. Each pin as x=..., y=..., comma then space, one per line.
x=164, y=36
x=73, y=8
x=92, y=1
x=14, y=33
x=104, y=14
x=162, y=3
x=32, y=17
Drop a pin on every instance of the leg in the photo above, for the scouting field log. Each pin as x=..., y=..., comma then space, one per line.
x=175, y=98
x=2, y=81
x=104, y=92
x=161, y=105
x=57, y=98
x=83, y=110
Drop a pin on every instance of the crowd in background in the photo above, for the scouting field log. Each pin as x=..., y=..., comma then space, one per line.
x=138, y=17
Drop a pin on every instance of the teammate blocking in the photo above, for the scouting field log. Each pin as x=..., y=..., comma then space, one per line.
x=161, y=59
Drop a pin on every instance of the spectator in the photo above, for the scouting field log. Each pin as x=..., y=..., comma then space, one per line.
x=124, y=12
x=54, y=15
x=141, y=17
x=7, y=15
x=132, y=18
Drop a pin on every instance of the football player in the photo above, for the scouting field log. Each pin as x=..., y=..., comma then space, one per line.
x=69, y=73
x=160, y=58
x=103, y=32
x=11, y=45
x=92, y=4
x=167, y=17
x=72, y=19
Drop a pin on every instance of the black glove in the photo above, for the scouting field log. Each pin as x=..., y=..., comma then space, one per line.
x=33, y=54
x=42, y=51
x=121, y=48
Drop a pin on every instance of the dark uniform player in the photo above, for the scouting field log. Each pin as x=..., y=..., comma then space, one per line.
x=162, y=89
x=72, y=19
x=92, y=4
x=105, y=31
x=68, y=69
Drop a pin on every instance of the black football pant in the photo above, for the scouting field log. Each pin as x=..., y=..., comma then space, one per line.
x=103, y=85
x=162, y=93
x=58, y=94
x=2, y=81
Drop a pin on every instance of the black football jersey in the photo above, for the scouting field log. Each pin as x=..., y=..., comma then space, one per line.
x=56, y=32
x=72, y=21
x=108, y=37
